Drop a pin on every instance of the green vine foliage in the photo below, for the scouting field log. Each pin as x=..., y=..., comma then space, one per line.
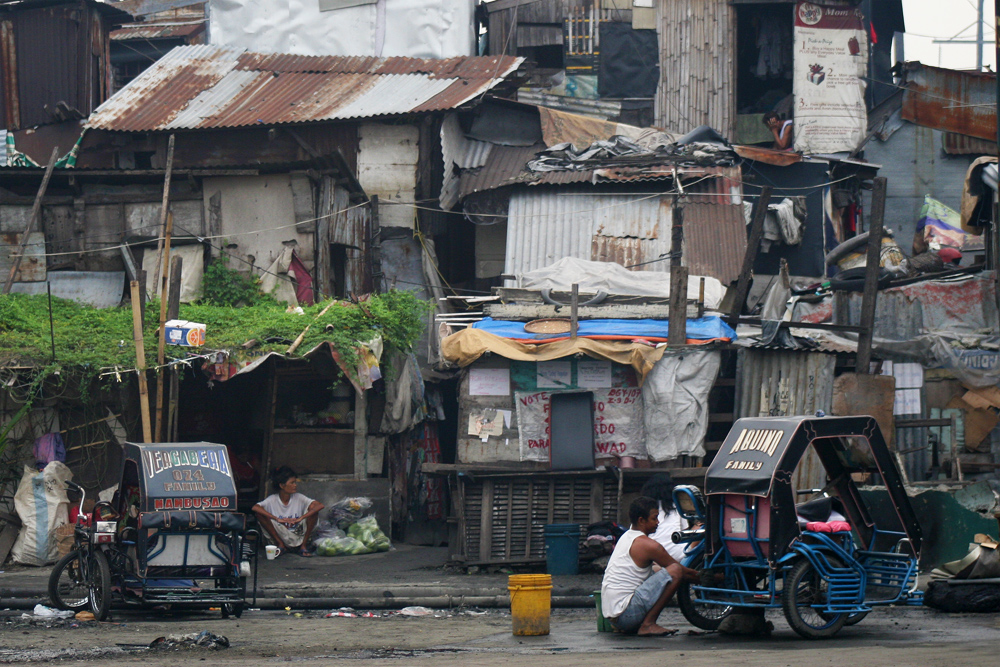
x=222, y=286
x=89, y=341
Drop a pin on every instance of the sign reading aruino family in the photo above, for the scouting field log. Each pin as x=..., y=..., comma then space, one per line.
x=831, y=61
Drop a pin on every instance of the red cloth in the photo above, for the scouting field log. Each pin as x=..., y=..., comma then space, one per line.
x=303, y=281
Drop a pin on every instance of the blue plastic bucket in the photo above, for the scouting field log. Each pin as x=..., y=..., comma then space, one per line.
x=562, y=548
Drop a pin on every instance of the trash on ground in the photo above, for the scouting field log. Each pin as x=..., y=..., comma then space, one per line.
x=203, y=639
x=84, y=616
x=416, y=611
x=41, y=611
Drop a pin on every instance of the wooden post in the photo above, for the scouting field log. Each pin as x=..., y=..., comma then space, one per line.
x=701, y=297
x=163, y=207
x=863, y=363
x=162, y=338
x=753, y=245
x=574, y=311
x=375, y=247
x=175, y=381
x=140, y=276
x=140, y=362
x=678, y=283
x=36, y=210
x=174, y=293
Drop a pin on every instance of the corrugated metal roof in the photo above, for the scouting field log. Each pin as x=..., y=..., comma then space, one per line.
x=545, y=225
x=503, y=166
x=951, y=101
x=157, y=30
x=196, y=87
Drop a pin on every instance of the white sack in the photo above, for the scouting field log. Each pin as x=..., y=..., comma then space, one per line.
x=675, y=397
x=42, y=505
x=192, y=270
x=615, y=279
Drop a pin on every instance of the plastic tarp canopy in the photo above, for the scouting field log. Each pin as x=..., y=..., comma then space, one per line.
x=675, y=403
x=467, y=345
x=705, y=328
x=413, y=28
x=593, y=277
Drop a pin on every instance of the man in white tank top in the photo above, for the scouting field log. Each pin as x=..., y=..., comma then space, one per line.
x=632, y=595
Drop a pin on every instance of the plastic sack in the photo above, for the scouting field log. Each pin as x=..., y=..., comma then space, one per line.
x=368, y=533
x=42, y=504
x=340, y=546
x=325, y=529
x=49, y=448
x=347, y=511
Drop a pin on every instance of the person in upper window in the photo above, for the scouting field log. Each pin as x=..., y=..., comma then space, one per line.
x=782, y=130
x=288, y=516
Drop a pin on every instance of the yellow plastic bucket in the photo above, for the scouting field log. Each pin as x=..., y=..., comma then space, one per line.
x=530, y=603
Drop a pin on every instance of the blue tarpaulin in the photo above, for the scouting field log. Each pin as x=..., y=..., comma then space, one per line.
x=704, y=328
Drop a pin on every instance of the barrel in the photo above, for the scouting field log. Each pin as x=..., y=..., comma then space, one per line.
x=530, y=603
x=562, y=548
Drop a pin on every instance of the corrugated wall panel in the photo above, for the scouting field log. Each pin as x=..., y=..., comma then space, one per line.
x=787, y=383
x=50, y=43
x=698, y=80
x=544, y=226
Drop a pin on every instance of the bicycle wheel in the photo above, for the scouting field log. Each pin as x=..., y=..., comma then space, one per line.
x=68, y=587
x=699, y=614
x=804, y=591
x=99, y=583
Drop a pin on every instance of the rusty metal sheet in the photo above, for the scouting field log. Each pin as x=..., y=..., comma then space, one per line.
x=195, y=87
x=768, y=156
x=158, y=31
x=960, y=144
x=858, y=394
x=950, y=100
x=33, y=267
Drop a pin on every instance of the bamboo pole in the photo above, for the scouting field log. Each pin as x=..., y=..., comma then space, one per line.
x=298, y=341
x=164, y=269
x=140, y=362
x=36, y=210
x=163, y=206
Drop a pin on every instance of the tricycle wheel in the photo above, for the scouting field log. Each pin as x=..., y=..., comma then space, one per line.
x=234, y=609
x=68, y=585
x=99, y=583
x=804, y=590
x=705, y=616
x=854, y=619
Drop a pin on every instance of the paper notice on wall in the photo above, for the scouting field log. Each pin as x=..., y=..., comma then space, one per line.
x=831, y=61
x=593, y=374
x=489, y=382
x=486, y=423
x=554, y=375
x=907, y=402
x=908, y=375
x=619, y=427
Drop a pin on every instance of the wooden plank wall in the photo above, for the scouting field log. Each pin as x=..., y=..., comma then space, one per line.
x=697, y=70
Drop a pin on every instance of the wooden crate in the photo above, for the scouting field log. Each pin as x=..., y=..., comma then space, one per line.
x=502, y=517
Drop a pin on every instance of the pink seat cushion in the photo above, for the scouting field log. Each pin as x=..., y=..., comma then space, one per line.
x=828, y=526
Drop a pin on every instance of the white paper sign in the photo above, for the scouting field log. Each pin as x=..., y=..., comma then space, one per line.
x=489, y=382
x=554, y=375
x=593, y=374
x=908, y=376
x=619, y=428
x=907, y=402
x=831, y=61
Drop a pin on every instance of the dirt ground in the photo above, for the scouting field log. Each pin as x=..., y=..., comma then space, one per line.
x=915, y=636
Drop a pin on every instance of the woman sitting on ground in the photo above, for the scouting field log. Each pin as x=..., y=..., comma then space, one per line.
x=288, y=517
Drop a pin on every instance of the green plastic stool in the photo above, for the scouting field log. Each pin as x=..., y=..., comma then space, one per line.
x=603, y=624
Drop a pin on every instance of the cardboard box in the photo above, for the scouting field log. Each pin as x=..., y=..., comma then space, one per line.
x=182, y=332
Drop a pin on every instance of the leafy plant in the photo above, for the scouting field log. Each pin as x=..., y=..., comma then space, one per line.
x=222, y=286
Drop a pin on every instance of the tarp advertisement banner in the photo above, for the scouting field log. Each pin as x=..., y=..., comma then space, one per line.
x=618, y=423
x=831, y=61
